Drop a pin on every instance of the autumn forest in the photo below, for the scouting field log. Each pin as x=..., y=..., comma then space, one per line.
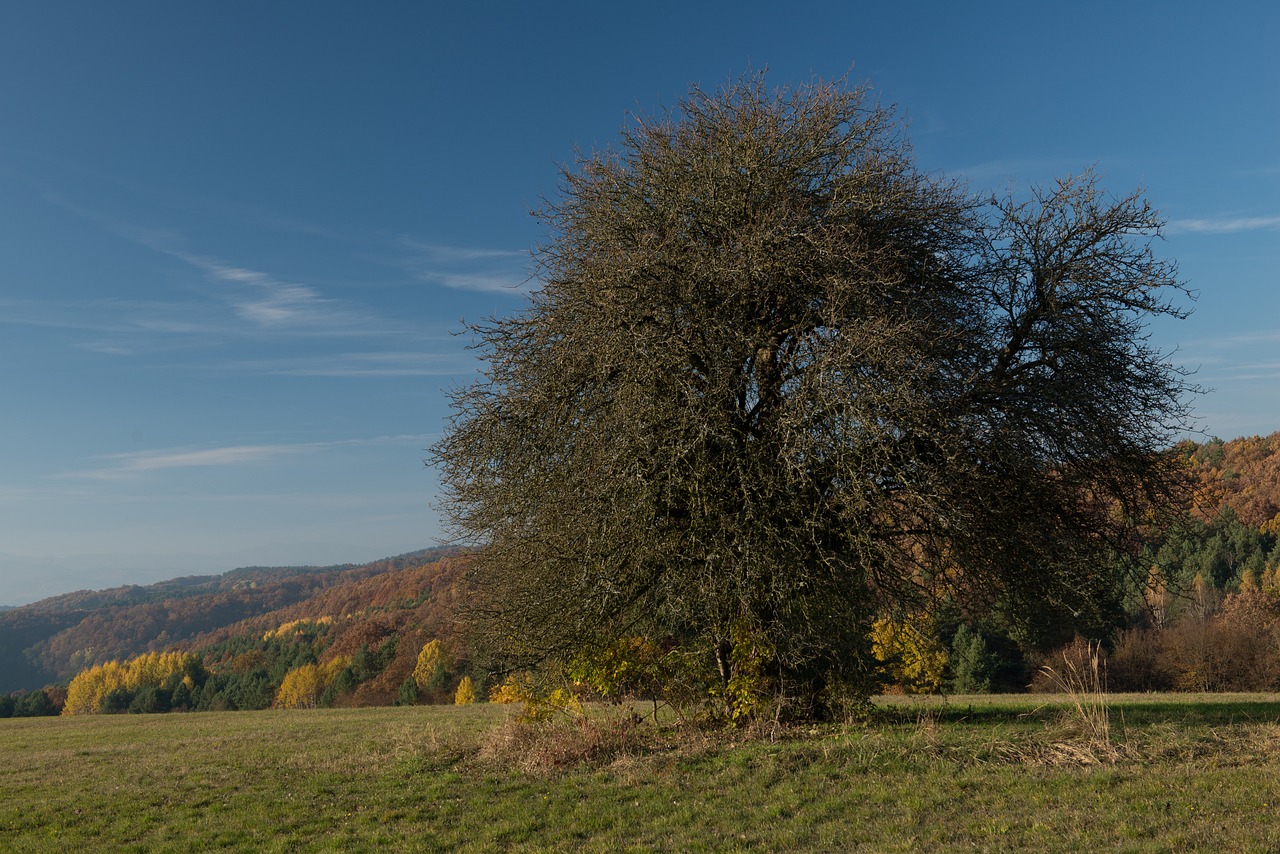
x=1207, y=618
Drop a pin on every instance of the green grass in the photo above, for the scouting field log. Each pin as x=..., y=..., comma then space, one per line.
x=985, y=772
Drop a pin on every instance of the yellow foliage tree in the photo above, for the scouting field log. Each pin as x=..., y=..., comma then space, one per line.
x=429, y=658
x=303, y=686
x=88, y=689
x=466, y=692
x=909, y=652
x=516, y=689
x=300, y=689
x=85, y=693
x=155, y=668
x=295, y=626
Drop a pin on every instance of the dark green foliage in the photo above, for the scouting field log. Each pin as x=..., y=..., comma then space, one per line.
x=408, y=693
x=440, y=680
x=367, y=664
x=386, y=653
x=33, y=704
x=775, y=381
x=363, y=665
x=253, y=689
x=151, y=700
x=971, y=664
x=117, y=701
x=182, y=698
x=6, y=706
x=1220, y=551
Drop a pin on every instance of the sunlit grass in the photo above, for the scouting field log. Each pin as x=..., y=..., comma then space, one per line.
x=991, y=772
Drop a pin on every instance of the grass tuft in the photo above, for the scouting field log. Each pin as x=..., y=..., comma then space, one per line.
x=564, y=742
x=1081, y=675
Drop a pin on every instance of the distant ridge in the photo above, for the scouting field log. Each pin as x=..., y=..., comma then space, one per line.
x=50, y=640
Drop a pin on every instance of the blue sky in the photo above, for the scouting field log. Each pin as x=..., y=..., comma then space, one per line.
x=236, y=239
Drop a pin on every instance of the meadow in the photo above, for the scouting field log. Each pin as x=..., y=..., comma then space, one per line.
x=1145, y=772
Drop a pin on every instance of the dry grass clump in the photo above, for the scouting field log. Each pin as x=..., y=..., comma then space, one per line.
x=539, y=747
x=619, y=739
x=1081, y=676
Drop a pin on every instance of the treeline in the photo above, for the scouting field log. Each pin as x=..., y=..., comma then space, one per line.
x=1208, y=616
x=1203, y=616
x=32, y=704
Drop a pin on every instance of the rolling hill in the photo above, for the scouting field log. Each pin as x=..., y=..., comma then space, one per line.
x=51, y=640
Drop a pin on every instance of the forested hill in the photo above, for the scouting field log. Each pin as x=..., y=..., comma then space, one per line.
x=51, y=640
x=374, y=618
x=1242, y=475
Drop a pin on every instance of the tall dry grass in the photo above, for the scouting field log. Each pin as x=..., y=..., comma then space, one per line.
x=1080, y=674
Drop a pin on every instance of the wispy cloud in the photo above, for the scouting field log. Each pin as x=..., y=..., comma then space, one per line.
x=1019, y=168
x=1243, y=372
x=83, y=315
x=113, y=317
x=123, y=327
x=1238, y=339
x=139, y=463
x=267, y=301
x=1225, y=224
x=146, y=461
x=456, y=254
x=263, y=300
x=376, y=364
x=467, y=268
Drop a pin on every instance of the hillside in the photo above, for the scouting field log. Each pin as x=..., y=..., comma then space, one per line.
x=51, y=640
x=1243, y=475
x=368, y=631
x=362, y=628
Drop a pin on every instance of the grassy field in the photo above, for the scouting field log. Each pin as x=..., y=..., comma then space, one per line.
x=1171, y=772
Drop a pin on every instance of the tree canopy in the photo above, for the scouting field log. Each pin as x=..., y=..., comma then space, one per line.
x=775, y=381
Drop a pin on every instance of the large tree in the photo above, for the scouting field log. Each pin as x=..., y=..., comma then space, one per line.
x=773, y=381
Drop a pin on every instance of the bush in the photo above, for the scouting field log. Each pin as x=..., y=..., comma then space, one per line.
x=1139, y=662
x=1079, y=656
x=543, y=746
